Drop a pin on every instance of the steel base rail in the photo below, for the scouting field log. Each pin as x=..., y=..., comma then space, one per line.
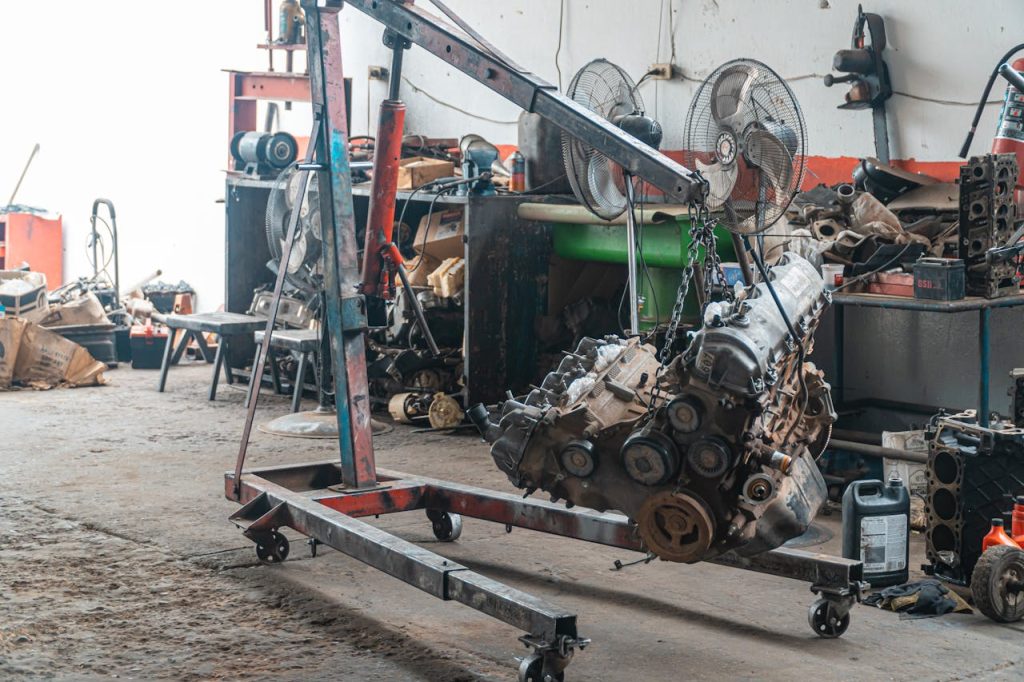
x=311, y=499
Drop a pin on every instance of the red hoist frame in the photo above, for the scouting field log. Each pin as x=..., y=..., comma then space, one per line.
x=325, y=500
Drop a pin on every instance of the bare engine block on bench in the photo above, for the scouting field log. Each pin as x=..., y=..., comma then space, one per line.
x=725, y=458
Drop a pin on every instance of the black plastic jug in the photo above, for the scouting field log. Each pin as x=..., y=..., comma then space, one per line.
x=876, y=530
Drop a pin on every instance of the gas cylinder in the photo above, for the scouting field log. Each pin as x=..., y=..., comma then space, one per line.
x=1009, y=137
x=876, y=529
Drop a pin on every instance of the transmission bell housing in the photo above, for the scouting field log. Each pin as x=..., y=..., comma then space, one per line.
x=725, y=458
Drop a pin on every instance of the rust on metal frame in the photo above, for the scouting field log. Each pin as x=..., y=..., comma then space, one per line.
x=342, y=274
x=381, y=219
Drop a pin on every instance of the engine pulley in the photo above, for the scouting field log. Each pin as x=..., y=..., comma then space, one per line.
x=684, y=414
x=676, y=526
x=650, y=457
x=578, y=458
x=709, y=457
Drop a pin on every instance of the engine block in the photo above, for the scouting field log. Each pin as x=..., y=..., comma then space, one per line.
x=714, y=452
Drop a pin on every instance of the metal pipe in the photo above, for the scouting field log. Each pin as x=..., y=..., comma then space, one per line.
x=879, y=451
x=984, y=328
x=742, y=258
x=634, y=308
x=35, y=150
x=866, y=437
x=577, y=215
x=397, y=52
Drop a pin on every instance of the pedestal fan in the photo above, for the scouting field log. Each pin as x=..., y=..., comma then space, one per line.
x=605, y=188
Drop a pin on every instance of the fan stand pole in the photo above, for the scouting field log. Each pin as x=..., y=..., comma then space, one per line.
x=631, y=276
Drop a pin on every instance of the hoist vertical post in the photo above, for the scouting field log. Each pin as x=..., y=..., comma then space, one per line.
x=346, y=308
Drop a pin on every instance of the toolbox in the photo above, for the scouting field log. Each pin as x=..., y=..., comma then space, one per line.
x=147, y=344
x=939, y=279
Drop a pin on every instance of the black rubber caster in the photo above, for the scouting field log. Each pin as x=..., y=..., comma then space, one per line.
x=447, y=526
x=825, y=619
x=997, y=584
x=531, y=669
x=274, y=550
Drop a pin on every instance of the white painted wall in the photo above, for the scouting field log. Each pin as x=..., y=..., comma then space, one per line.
x=128, y=100
x=939, y=49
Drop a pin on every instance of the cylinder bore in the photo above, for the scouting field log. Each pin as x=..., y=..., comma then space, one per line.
x=650, y=457
x=946, y=468
x=943, y=503
x=943, y=539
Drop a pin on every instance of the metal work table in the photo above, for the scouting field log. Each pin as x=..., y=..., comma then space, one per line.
x=983, y=306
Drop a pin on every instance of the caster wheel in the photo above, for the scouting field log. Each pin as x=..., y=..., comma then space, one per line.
x=825, y=620
x=531, y=669
x=313, y=544
x=447, y=526
x=997, y=584
x=275, y=551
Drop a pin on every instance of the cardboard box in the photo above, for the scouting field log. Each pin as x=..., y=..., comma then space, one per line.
x=419, y=170
x=444, y=234
x=11, y=331
x=419, y=268
x=84, y=310
x=449, y=278
x=43, y=359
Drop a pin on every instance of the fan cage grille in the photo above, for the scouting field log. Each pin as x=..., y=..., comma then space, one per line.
x=597, y=181
x=770, y=107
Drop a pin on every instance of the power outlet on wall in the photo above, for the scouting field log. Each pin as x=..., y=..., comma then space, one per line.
x=378, y=73
x=661, y=72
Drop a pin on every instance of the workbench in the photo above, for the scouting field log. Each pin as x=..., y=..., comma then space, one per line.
x=971, y=304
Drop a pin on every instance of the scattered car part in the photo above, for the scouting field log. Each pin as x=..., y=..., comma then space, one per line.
x=868, y=74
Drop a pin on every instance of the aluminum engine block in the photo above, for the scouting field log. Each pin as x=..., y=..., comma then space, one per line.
x=714, y=452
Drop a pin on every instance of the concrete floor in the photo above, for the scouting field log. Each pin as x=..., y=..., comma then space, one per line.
x=117, y=560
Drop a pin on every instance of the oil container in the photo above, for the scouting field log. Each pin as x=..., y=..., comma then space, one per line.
x=876, y=530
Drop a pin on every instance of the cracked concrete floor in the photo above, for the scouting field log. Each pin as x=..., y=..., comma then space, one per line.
x=117, y=560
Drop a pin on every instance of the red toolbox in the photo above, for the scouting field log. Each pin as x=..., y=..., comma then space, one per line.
x=148, y=343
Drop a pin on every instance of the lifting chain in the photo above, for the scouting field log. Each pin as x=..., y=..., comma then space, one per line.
x=702, y=235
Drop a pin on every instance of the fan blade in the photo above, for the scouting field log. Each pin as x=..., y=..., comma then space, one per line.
x=604, y=179
x=721, y=179
x=730, y=97
x=767, y=152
